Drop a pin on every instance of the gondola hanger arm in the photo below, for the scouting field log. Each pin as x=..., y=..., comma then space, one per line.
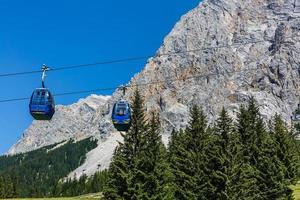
x=44, y=69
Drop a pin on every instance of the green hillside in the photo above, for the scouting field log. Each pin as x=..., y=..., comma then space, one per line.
x=37, y=173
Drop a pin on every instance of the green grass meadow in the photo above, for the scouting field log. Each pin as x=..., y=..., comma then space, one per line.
x=95, y=196
x=98, y=196
x=296, y=189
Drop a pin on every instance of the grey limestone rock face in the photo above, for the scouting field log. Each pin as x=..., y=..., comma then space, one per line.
x=221, y=53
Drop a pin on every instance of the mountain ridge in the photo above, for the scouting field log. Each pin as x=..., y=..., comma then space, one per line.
x=69, y=122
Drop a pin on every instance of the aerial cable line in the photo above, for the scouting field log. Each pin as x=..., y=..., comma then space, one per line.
x=168, y=80
x=129, y=59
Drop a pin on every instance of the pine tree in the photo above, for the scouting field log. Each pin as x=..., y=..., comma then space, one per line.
x=188, y=160
x=118, y=174
x=123, y=163
x=139, y=169
x=221, y=158
x=178, y=159
x=154, y=173
x=259, y=157
x=286, y=150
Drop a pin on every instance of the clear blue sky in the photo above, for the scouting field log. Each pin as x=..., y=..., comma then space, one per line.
x=67, y=32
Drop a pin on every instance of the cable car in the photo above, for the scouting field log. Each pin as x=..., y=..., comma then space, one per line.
x=42, y=106
x=121, y=115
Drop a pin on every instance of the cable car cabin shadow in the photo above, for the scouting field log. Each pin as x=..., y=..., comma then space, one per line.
x=121, y=115
x=42, y=105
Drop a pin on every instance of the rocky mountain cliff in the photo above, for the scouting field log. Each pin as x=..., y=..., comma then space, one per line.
x=218, y=54
x=221, y=53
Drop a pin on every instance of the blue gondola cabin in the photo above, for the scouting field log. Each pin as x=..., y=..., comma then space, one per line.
x=42, y=105
x=121, y=115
